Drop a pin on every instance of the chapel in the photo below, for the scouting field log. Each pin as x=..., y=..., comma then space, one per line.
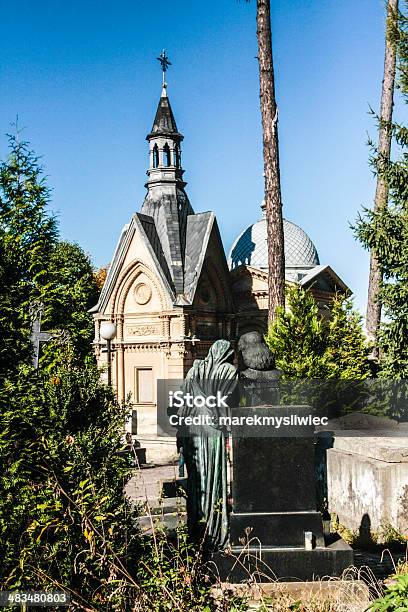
x=171, y=291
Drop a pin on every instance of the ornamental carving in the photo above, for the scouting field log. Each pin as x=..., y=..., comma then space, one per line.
x=144, y=330
x=142, y=293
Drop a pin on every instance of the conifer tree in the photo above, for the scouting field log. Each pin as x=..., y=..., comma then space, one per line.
x=386, y=231
x=383, y=157
x=30, y=229
x=296, y=337
x=14, y=345
x=273, y=195
x=36, y=266
x=28, y=234
x=346, y=349
x=308, y=345
x=72, y=290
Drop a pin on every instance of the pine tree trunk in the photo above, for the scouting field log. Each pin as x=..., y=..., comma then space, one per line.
x=273, y=200
x=384, y=152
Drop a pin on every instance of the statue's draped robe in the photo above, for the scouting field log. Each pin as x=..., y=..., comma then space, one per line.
x=204, y=448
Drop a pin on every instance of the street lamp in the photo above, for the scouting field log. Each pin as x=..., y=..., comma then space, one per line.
x=108, y=332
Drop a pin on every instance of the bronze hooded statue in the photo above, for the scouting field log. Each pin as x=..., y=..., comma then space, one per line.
x=204, y=446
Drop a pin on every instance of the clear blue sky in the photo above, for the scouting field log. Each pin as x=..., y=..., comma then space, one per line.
x=83, y=79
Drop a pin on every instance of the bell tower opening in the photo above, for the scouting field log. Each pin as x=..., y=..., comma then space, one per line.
x=155, y=156
x=166, y=155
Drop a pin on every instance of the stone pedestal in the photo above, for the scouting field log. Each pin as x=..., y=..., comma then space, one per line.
x=274, y=504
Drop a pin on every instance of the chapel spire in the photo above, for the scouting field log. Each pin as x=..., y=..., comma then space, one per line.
x=164, y=139
x=166, y=202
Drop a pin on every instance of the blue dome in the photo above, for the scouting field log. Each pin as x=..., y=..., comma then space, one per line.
x=251, y=249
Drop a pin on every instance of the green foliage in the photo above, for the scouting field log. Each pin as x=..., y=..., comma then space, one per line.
x=30, y=230
x=27, y=236
x=14, y=344
x=395, y=597
x=386, y=232
x=64, y=519
x=346, y=349
x=35, y=265
x=307, y=345
x=72, y=291
x=172, y=576
x=386, y=536
x=297, y=336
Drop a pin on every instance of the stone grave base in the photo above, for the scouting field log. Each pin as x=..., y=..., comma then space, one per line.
x=262, y=563
x=368, y=481
x=276, y=531
x=351, y=595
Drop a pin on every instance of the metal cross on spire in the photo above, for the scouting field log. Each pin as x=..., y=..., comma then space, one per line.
x=165, y=63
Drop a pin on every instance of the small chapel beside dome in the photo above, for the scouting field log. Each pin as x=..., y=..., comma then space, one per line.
x=248, y=264
x=171, y=291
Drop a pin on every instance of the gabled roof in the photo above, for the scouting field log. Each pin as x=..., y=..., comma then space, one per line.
x=177, y=239
x=154, y=241
x=146, y=227
x=321, y=277
x=326, y=275
x=199, y=228
x=198, y=233
x=169, y=213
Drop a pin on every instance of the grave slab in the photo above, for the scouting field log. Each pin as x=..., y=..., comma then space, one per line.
x=275, y=528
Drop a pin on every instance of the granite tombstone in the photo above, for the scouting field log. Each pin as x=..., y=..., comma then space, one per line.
x=275, y=528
